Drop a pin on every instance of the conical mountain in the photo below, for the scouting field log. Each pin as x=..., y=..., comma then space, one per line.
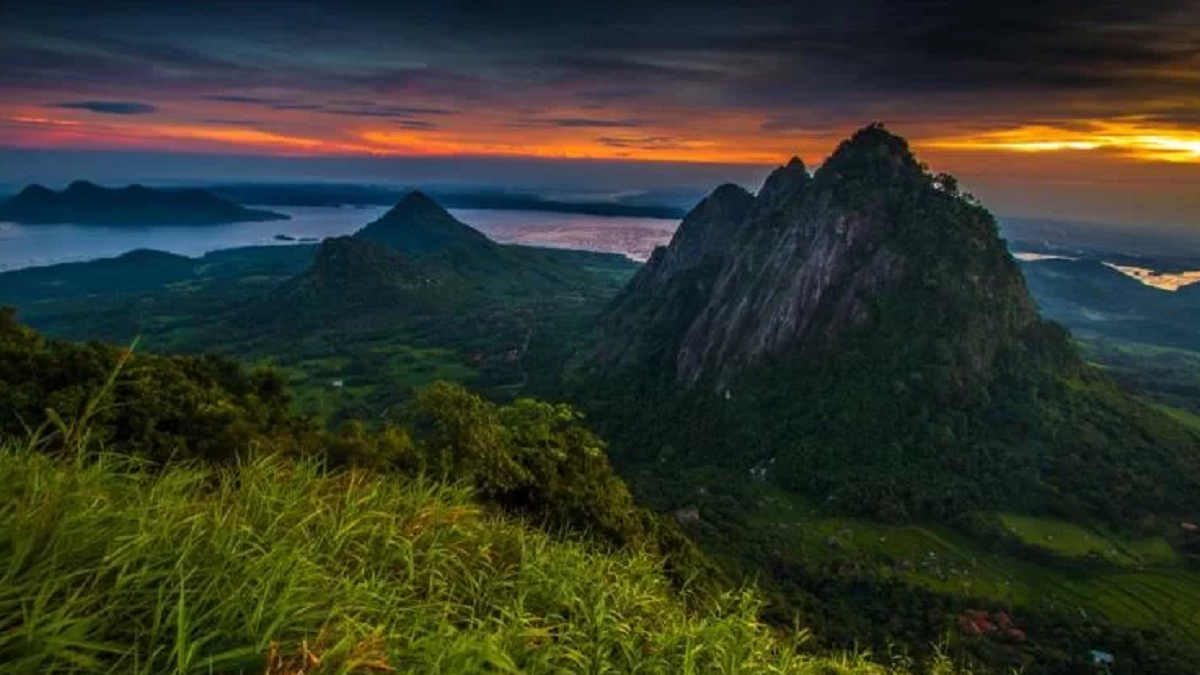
x=865, y=333
x=418, y=226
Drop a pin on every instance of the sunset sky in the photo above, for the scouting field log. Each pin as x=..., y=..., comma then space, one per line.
x=1065, y=108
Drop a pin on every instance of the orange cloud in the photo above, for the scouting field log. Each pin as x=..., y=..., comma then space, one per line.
x=1131, y=137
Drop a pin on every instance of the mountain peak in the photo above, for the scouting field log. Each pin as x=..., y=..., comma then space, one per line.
x=873, y=151
x=418, y=201
x=34, y=191
x=707, y=229
x=418, y=226
x=82, y=187
x=784, y=184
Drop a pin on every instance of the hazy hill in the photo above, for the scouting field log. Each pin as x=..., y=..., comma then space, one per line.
x=1095, y=299
x=90, y=204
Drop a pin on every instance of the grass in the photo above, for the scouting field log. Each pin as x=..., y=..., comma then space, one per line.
x=279, y=567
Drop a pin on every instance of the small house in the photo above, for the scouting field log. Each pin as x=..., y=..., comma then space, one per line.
x=1102, y=659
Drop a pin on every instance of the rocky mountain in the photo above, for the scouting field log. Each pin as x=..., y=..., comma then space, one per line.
x=86, y=203
x=811, y=257
x=861, y=335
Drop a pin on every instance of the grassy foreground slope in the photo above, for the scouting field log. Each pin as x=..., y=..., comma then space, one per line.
x=165, y=514
x=282, y=567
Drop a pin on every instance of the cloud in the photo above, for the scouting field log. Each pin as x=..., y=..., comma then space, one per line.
x=577, y=123
x=233, y=122
x=644, y=142
x=417, y=125
x=352, y=108
x=108, y=107
x=240, y=98
x=387, y=111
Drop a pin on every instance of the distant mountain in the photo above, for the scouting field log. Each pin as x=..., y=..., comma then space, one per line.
x=648, y=205
x=86, y=203
x=862, y=336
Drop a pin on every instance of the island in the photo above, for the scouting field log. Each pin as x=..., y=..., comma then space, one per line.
x=86, y=203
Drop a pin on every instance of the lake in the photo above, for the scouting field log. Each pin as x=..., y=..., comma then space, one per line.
x=29, y=246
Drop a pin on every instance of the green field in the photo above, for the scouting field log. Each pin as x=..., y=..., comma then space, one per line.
x=1137, y=583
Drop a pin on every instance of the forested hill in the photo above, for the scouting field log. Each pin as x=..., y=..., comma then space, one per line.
x=861, y=336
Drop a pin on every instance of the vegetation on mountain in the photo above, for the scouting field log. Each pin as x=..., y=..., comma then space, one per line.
x=86, y=203
x=866, y=340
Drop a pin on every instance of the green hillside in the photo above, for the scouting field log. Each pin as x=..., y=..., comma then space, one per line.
x=479, y=538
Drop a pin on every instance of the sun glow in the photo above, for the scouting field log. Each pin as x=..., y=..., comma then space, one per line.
x=1132, y=137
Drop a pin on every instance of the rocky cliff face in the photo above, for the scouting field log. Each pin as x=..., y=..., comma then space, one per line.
x=873, y=347
x=812, y=257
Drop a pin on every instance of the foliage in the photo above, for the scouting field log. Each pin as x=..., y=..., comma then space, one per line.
x=199, y=569
x=166, y=407
x=531, y=458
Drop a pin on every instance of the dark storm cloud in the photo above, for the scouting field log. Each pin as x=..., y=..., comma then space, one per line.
x=108, y=107
x=347, y=108
x=851, y=58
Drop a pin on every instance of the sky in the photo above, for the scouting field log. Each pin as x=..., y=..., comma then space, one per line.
x=1077, y=109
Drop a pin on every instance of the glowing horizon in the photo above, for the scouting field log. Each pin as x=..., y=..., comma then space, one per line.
x=1096, y=116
